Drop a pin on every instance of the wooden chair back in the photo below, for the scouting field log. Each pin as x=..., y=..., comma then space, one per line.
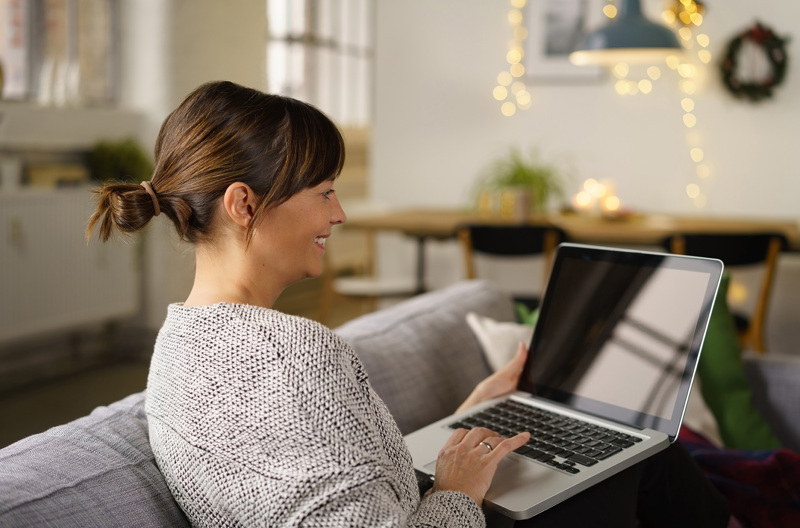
x=509, y=241
x=739, y=249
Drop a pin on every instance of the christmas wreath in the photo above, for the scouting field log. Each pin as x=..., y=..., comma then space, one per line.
x=775, y=51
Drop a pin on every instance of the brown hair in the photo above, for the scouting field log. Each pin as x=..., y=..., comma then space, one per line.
x=220, y=134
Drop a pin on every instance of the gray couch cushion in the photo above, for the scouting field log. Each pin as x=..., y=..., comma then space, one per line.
x=421, y=356
x=95, y=471
x=776, y=393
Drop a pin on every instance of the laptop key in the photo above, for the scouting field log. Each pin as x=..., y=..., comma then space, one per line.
x=582, y=460
x=621, y=442
x=608, y=452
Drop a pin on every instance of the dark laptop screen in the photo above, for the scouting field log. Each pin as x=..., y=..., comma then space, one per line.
x=619, y=333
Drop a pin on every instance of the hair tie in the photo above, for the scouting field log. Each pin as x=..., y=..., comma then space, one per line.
x=152, y=193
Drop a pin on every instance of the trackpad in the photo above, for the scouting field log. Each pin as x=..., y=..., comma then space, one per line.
x=507, y=466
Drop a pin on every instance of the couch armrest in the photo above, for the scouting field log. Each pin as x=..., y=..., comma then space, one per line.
x=421, y=356
x=775, y=380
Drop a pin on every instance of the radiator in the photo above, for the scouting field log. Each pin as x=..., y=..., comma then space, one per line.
x=50, y=279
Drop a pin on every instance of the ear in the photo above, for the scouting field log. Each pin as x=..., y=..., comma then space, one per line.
x=240, y=203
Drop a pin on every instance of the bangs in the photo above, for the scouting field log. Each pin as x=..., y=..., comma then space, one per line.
x=313, y=150
x=323, y=147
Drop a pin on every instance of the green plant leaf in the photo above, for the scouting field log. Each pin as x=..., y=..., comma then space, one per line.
x=119, y=161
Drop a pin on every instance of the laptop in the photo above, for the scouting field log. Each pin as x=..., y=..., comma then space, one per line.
x=611, y=364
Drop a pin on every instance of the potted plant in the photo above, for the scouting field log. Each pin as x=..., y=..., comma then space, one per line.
x=119, y=161
x=519, y=186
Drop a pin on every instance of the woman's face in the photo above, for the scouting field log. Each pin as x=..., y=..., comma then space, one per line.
x=290, y=240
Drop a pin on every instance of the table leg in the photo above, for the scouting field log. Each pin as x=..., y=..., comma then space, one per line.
x=420, y=264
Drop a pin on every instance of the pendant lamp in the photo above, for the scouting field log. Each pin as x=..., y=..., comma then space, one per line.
x=629, y=37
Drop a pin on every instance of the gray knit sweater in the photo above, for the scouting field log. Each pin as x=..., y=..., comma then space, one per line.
x=262, y=419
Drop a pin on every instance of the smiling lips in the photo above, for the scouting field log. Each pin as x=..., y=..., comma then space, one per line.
x=320, y=241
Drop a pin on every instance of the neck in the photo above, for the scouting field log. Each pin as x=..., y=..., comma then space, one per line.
x=225, y=276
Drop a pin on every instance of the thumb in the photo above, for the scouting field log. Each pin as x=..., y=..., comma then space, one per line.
x=515, y=366
x=519, y=358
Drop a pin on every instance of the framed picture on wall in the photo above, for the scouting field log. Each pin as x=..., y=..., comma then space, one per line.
x=555, y=28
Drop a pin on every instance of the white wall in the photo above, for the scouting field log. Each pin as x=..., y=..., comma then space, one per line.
x=437, y=124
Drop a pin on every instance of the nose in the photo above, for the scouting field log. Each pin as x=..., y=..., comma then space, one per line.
x=337, y=213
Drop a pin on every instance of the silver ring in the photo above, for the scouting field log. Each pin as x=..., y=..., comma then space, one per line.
x=487, y=445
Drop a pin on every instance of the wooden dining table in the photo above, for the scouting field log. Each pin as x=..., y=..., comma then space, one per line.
x=631, y=230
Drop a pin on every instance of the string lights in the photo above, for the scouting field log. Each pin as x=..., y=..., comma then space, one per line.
x=686, y=16
x=511, y=91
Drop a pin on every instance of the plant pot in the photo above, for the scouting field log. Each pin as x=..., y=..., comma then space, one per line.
x=515, y=203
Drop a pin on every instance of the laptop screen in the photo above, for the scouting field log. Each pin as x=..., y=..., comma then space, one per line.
x=619, y=333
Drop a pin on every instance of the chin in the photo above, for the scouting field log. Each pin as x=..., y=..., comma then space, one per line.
x=313, y=274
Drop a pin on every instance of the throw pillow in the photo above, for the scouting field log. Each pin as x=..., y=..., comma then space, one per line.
x=724, y=385
x=498, y=339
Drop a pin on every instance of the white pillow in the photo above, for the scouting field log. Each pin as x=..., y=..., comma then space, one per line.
x=499, y=340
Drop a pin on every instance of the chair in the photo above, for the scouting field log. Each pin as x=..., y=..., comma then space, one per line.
x=739, y=250
x=507, y=242
x=349, y=273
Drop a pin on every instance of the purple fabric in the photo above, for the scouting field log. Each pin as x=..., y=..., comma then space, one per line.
x=762, y=487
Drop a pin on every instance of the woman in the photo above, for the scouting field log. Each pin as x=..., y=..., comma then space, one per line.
x=257, y=417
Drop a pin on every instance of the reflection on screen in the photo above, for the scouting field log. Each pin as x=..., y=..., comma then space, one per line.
x=617, y=334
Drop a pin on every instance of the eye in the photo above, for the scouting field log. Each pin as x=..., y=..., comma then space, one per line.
x=327, y=194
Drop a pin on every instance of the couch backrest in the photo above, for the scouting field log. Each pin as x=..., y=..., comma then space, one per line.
x=421, y=356
x=95, y=471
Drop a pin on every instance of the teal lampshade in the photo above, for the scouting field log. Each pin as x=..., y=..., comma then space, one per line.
x=630, y=37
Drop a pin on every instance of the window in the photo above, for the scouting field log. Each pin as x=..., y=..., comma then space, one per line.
x=59, y=51
x=321, y=51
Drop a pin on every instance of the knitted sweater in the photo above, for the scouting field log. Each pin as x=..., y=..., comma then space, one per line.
x=258, y=418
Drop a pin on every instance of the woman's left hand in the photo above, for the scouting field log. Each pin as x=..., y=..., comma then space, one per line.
x=502, y=382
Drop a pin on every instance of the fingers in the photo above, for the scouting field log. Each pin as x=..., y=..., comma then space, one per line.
x=517, y=363
x=488, y=440
x=507, y=445
x=521, y=356
x=455, y=438
x=476, y=435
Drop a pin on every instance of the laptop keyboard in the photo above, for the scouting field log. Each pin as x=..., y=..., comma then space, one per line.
x=559, y=441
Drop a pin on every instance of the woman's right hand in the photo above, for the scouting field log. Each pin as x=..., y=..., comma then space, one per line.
x=466, y=464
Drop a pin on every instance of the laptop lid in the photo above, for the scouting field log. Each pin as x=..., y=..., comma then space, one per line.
x=619, y=334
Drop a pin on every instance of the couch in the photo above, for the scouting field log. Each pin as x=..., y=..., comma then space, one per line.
x=421, y=357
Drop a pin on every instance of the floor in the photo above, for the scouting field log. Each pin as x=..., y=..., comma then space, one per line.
x=39, y=406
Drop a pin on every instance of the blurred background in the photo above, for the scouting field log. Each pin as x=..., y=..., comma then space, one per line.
x=429, y=96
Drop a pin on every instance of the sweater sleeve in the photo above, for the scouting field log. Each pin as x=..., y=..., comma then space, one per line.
x=370, y=505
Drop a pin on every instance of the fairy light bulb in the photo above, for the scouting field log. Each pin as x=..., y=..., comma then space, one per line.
x=516, y=70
